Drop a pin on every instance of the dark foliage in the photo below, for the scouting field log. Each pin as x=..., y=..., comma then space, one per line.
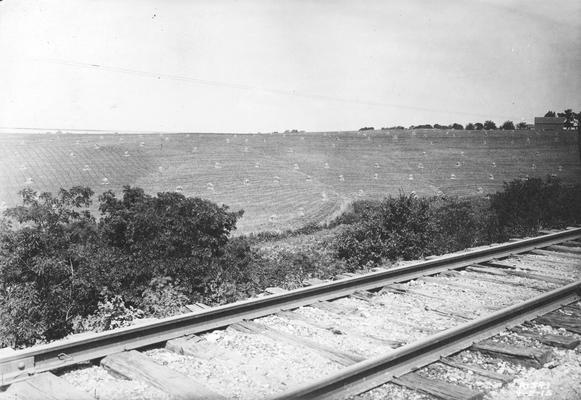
x=66, y=264
x=42, y=267
x=408, y=227
x=525, y=206
x=489, y=125
x=521, y=125
x=397, y=228
x=61, y=271
x=507, y=126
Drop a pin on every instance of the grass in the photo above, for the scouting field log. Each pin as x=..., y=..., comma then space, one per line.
x=286, y=181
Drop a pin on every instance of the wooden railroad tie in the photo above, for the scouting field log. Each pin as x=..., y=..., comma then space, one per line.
x=498, y=264
x=498, y=274
x=439, y=389
x=477, y=370
x=519, y=273
x=565, y=342
x=535, y=358
x=397, y=288
x=195, y=346
x=44, y=386
x=565, y=249
x=458, y=285
x=542, y=252
x=331, y=353
x=571, y=243
x=333, y=329
x=137, y=366
x=329, y=306
x=559, y=320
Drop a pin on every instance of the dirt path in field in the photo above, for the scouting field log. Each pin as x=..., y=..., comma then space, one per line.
x=345, y=203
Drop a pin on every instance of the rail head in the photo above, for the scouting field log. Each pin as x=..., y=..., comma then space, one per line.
x=20, y=364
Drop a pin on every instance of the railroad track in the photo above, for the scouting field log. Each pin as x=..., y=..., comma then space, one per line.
x=356, y=333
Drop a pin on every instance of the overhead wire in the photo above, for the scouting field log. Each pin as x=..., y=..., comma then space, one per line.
x=239, y=86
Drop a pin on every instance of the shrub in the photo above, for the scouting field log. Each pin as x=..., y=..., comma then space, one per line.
x=358, y=211
x=112, y=313
x=21, y=316
x=290, y=268
x=359, y=246
x=398, y=228
x=163, y=298
x=42, y=259
x=459, y=224
x=525, y=206
x=66, y=263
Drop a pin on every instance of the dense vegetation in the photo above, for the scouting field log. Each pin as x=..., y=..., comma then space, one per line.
x=62, y=270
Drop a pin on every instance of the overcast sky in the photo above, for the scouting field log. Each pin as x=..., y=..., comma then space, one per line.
x=247, y=66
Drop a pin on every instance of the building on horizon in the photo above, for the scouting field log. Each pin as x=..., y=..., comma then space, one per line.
x=549, y=123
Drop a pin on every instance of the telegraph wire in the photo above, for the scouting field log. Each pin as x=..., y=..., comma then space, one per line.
x=238, y=86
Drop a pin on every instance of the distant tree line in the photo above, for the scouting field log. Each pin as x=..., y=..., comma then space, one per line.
x=487, y=125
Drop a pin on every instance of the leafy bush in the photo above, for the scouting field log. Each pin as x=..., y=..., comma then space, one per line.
x=397, y=228
x=66, y=262
x=360, y=246
x=111, y=313
x=21, y=316
x=525, y=206
x=62, y=271
x=42, y=260
x=163, y=298
x=459, y=224
x=290, y=268
x=408, y=227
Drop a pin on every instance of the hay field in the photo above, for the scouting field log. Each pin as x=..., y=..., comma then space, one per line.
x=287, y=180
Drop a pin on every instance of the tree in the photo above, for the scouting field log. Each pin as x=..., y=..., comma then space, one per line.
x=550, y=114
x=457, y=126
x=570, y=118
x=521, y=125
x=42, y=264
x=489, y=125
x=59, y=263
x=470, y=127
x=479, y=126
x=166, y=235
x=438, y=126
x=507, y=126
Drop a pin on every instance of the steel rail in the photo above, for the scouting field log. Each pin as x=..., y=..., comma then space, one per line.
x=22, y=363
x=369, y=374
